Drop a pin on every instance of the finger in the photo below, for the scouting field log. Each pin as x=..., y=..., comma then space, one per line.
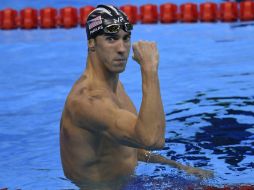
x=134, y=47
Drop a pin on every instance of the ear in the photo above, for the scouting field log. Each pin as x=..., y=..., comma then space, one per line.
x=91, y=45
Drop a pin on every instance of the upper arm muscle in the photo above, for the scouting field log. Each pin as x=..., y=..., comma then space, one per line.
x=102, y=115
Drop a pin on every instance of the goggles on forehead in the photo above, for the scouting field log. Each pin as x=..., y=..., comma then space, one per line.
x=114, y=28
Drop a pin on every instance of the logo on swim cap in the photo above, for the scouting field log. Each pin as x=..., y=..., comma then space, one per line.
x=94, y=22
x=103, y=16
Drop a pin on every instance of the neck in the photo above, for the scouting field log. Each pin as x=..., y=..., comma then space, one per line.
x=100, y=75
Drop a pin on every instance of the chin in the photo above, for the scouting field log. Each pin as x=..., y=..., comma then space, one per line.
x=118, y=69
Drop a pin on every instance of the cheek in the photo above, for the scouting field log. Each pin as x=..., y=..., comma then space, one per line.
x=128, y=48
x=108, y=56
x=105, y=54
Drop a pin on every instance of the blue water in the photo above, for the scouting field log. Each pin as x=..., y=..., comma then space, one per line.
x=207, y=80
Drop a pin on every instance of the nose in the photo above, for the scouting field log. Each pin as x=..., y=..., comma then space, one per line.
x=121, y=46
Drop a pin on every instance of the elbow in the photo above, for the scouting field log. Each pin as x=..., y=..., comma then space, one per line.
x=153, y=140
x=159, y=142
x=159, y=145
x=154, y=143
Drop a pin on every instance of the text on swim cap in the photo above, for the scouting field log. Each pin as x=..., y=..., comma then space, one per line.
x=119, y=19
x=96, y=29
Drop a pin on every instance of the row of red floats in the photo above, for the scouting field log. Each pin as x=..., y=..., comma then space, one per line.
x=69, y=17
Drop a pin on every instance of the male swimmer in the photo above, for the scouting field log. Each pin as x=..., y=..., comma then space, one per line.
x=102, y=136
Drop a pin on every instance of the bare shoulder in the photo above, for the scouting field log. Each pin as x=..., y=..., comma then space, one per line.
x=84, y=94
x=88, y=104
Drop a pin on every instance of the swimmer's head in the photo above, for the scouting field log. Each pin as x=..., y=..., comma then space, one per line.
x=106, y=19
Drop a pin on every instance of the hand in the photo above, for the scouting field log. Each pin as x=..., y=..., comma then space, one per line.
x=146, y=54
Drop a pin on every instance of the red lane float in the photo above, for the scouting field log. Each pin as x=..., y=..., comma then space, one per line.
x=246, y=11
x=28, y=18
x=189, y=12
x=228, y=12
x=208, y=12
x=149, y=14
x=84, y=12
x=48, y=18
x=168, y=13
x=8, y=19
x=132, y=12
x=68, y=17
x=1, y=18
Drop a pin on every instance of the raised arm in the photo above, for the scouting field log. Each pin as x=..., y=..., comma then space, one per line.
x=151, y=119
x=96, y=111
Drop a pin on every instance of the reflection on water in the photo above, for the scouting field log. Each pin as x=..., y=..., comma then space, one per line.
x=213, y=133
x=164, y=182
x=222, y=131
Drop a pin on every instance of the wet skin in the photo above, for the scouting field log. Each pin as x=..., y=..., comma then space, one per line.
x=99, y=144
x=90, y=158
x=101, y=135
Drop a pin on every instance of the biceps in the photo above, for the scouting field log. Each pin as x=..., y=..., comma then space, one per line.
x=107, y=119
x=120, y=128
x=124, y=129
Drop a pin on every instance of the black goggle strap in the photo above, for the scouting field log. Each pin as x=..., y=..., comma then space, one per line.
x=128, y=27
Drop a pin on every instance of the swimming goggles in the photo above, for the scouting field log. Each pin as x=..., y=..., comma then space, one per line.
x=114, y=28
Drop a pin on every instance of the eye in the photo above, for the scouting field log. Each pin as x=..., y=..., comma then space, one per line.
x=127, y=38
x=111, y=38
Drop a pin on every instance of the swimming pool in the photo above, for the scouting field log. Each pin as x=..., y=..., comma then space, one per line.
x=206, y=73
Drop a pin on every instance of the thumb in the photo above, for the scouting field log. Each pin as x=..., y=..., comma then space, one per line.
x=134, y=58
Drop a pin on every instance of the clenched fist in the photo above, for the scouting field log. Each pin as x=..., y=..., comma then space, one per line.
x=146, y=54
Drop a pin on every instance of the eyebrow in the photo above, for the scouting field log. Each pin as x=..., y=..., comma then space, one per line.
x=110, y=35
x=115, y=34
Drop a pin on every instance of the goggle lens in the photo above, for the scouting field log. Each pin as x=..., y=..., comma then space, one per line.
x=114, y=28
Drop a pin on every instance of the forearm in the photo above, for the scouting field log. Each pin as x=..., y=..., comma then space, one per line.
x=148, y=156
x=150, y=125
x=151, y=116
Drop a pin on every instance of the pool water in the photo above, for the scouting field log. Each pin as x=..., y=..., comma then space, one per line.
x=207, y=79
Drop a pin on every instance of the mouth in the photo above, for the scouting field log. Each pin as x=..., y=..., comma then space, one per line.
x=121, y=60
